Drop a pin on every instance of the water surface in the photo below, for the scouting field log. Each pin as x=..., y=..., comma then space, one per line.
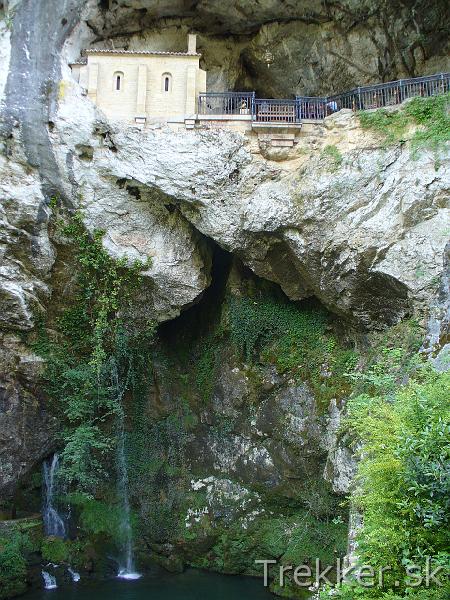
x=191, y=585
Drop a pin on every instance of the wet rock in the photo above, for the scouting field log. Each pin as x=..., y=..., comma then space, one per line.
x=26, y=426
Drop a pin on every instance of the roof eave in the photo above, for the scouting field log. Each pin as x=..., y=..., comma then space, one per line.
x=93, y=51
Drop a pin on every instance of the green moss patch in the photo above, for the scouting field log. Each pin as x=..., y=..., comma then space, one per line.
x=295, y=338
x=430, y=117
x=332, y=157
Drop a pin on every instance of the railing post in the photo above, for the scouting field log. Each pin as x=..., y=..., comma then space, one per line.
x=253, y=106
x=359, y=98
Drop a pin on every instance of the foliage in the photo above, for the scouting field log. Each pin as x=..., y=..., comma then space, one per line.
x=262, y=327
x=295, y=539
x=157, y=466
x=206, y=366
x=355, y=592
x=73, y=553
x=295, y=338
x=97, y=517
x=9, y=18
x=13, y=565
x=404, y=477
x=429, y=115
x=89, y=364
x=55, y=550
x=333, y=157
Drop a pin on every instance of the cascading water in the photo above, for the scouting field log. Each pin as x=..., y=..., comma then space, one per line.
x=49, y=581
x=436, y=343
x=74, y=574
x=54, y=522
x=126, y=566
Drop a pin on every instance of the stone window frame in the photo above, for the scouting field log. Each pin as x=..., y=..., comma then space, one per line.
x=118, y=78
x=166, y=78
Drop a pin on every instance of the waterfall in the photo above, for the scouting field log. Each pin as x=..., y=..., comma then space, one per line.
x=49, y=581
x=436, y=344
x=54, y=523
x=74, y=574
x=126, y=564
x=126, y=567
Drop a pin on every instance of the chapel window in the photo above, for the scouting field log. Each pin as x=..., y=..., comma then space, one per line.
x=118, y=81
x=167, y=83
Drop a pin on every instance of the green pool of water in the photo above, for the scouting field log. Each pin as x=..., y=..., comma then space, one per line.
x=191, y=585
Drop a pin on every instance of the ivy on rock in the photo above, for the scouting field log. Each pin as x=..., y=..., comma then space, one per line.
x=89, y=359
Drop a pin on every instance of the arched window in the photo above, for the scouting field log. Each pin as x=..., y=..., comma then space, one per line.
x=167, y=83
x=118, y=81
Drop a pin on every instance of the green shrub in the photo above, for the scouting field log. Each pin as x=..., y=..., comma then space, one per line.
x=55, y=550
x=13, y=565
x=429, y=115
x=355, y=592
x=97, y=517
x=295, y=338
x=332, y=157
x=296, y=539
x=404, y=476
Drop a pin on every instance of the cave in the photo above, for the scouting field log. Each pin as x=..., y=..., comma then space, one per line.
x=223, y=349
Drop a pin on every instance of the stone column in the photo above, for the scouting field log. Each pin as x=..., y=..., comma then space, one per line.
x=141, y=95
x=83, y=81
x=190, y=91
x=92, y=81
x=192, y=43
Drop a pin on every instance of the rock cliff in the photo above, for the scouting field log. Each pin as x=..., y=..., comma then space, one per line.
x=341, y=217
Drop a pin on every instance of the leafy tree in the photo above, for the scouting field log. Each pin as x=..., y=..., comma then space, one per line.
x=403, y=480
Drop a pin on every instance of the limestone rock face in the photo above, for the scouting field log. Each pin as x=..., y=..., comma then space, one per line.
x=315, y=47
x=26, y=260
x=26, y=427
x=363, y=230
x=26, y=252
x=258, y=443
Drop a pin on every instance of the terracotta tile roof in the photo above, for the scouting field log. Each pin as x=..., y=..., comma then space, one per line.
x=145, y=52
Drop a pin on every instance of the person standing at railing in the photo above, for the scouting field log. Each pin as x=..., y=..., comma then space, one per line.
x=244, y=108
x=332, y=107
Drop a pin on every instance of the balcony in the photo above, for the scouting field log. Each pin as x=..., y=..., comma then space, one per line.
x=273, y=113
x=265, y=112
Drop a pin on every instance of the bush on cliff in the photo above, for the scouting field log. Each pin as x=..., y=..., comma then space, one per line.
x=404, y=485
x=13, y=566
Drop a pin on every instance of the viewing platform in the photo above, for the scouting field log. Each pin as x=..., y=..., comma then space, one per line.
x=260, y=113
x=286, y=114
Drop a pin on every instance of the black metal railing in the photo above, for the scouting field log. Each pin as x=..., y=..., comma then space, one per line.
x=316, y=108
x=311, y=107
x=374, y=96
x=226, y=103
x=269, y=110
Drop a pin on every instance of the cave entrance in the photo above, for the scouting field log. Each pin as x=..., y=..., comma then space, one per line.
x=199, y=318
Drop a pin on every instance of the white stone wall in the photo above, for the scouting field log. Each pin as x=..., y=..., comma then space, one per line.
x=142, y=90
